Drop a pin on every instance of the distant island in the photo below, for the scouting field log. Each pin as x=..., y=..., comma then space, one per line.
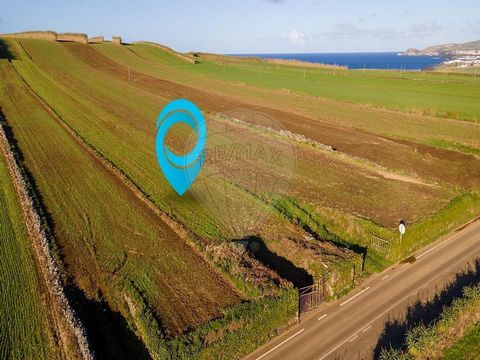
x=459, y=55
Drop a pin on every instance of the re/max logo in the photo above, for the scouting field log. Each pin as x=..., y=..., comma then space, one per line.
x=250, y=152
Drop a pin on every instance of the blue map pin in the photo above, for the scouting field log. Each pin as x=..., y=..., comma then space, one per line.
x=180, y=171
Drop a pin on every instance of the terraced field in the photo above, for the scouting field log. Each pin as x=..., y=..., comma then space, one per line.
x=384, y=137
x=90, y=73
x=418, y=127
x=113, y=245
x=26, y=327
x=151, y=273
x=401, y=157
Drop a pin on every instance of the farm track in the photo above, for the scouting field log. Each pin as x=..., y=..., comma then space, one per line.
x=428, y=162
x=67, y=325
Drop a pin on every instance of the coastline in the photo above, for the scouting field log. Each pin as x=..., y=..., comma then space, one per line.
x=353, y=61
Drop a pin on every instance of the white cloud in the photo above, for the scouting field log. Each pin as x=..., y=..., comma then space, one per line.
x=346, y=30
x=296, y=37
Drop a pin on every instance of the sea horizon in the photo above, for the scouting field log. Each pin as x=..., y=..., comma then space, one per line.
x=358, y=60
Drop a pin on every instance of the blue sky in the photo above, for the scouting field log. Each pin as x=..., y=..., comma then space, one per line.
x=255, y=26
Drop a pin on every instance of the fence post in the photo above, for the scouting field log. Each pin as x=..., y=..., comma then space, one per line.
x=323, y=288
x=353, y=277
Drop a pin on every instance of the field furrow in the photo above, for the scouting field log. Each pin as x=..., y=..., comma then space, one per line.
x=26, y=327
x=305, y=179
x=110, y=241
x=101, y=106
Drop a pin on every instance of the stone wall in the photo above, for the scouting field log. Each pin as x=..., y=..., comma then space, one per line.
x=96, y=39
x=41, y=35
x=49, y=36
x=81, y=38
x=68, y=322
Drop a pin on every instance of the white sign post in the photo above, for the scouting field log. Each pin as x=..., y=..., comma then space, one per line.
x=401, y=229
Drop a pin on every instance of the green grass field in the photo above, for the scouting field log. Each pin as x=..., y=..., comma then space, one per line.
x=104, y=108
x=457, y=97
x=417, y=127
x=25, y=319
x=111, y=244
x=401, y=145
x=467, y=347
x=419, y=92
x=110, y=240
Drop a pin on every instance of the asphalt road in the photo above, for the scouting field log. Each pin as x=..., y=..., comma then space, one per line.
x=349, y=328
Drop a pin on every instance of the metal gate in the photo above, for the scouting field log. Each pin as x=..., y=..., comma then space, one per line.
x=310, y=297
x=379, y=244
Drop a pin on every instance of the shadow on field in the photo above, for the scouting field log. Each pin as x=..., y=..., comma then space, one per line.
x=395, y=331
x=5, y=51
x=108, y=332
x=297, y=276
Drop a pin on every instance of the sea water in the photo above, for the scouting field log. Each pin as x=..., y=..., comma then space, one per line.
x=377, y=60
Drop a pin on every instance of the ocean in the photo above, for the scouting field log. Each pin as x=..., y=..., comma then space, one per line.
x=379, y=60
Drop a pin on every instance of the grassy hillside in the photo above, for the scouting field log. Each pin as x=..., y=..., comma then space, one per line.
x=419, y=92
x=457, y=97
x=25, y=319
x=152, y=273
x=317, y=113
x=110, y=240
x=106, y=83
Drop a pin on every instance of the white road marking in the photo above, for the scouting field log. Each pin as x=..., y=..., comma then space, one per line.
x=436, y=246
x=433, y=248
x=353, y=338
x=378, y=317
x=353, y=297
x=389, y=309
x=276, y=347
x=367, y=328
x=321, y=317
x=385, y=277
